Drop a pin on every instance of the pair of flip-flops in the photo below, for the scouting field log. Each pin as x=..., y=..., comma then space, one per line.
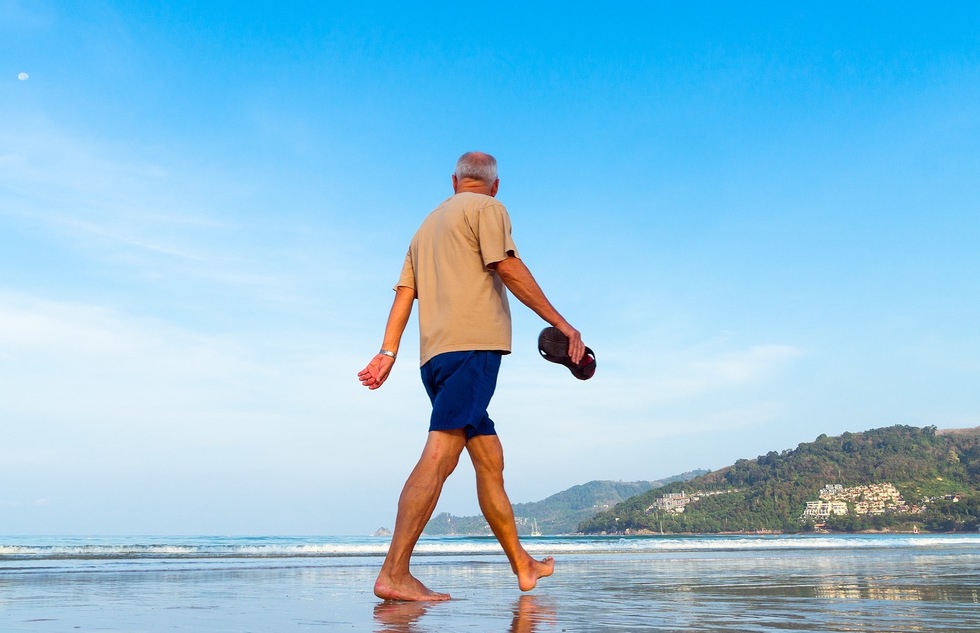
x=553, y=346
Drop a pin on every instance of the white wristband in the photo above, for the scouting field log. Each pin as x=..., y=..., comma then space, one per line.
x=387, y=352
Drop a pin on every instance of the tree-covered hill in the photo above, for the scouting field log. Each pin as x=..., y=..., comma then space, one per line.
x=937, y=474
x=560, y=513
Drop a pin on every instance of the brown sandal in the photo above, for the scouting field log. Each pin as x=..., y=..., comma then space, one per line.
x=553, y=346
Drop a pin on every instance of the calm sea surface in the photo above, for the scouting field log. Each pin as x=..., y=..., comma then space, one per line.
x=879, y=583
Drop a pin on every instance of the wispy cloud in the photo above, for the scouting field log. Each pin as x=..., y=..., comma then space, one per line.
x=105, y=366
x=136, y=390
x=145, y=214
x=640, y=406
x=690, y=375
x=658, y=377
x=122, y=196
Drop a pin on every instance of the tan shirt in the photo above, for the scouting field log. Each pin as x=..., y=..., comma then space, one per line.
x=462, y=303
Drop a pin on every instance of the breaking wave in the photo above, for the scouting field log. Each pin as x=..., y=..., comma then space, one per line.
x=129, y=548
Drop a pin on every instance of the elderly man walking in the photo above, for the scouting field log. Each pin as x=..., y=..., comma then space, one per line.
x=459, y=266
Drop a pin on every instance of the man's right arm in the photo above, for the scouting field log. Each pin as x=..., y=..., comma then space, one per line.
x=521, y=283
x=376, y=372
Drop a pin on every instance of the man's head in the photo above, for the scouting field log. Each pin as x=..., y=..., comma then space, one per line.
x=476, y=172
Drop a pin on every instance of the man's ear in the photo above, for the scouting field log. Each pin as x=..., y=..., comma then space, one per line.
x=494, y=187
x=455, y=184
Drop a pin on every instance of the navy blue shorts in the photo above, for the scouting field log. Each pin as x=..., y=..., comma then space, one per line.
x=460, y=385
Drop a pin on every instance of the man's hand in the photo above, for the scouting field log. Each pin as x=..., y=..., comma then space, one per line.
x=376, y=372
x=576, y=348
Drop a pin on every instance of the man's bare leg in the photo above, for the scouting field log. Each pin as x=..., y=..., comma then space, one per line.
x=488, y=462
x=415, y=506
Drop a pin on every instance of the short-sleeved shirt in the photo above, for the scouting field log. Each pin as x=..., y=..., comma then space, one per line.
x=462, y=303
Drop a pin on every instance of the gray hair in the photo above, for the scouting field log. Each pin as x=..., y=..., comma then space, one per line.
x=477, y=166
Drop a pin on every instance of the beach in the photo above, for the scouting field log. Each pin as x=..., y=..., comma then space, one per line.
x=925, y=583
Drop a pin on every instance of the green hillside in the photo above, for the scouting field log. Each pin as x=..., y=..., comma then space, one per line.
x=561, y=513
x=899, y=478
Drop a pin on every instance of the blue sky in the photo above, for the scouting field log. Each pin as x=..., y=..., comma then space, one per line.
x=763, y=218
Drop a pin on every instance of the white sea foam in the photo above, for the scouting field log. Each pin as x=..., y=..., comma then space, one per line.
x=53, y=548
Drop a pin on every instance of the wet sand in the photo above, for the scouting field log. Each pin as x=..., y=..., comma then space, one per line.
x=720, y=592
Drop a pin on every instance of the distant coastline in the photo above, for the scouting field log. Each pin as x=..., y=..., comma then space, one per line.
x=899, y=479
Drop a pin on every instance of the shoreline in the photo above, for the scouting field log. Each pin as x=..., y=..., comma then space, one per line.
x=705, y=590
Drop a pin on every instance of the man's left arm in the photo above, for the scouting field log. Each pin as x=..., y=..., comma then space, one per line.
x=521, y=283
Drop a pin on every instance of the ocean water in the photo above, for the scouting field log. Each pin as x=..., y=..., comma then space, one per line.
x=880, y=583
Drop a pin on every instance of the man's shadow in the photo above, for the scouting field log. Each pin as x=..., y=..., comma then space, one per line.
x=403, y=617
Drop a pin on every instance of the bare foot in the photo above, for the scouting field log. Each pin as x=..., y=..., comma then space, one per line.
x=408, y=589
x=529, y=573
